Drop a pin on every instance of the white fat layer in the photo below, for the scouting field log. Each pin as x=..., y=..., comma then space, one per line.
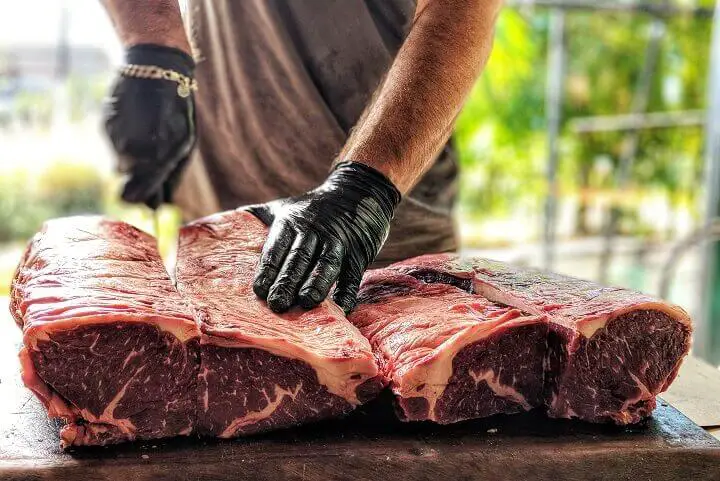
x=337, y=375
x=502, y=390
x=560, y=408
x=591, y=326
x=430, y=378
x=133, y=354
x=206, y=393
x=183, y=329
x=587, y=327
x=74, y=435
x=565, y=412
x=643, y=393
x=254, y=417
x=108, y=415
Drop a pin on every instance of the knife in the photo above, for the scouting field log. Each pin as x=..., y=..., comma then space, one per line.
x=155, y=207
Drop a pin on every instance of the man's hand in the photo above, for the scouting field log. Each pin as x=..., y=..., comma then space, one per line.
x=329, y=234
x=413, y=111
x=151, y=124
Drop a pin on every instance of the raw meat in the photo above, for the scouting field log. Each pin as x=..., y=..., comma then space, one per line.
x=109, y=345
x=609, y=351
x=450, y=355
x=261, y=370
x=114, y=349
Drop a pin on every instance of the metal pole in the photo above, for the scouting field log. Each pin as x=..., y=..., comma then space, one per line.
x=553, y=106
x=630, y=146
x=62, y=64
x=61, y=101
x=706, y=340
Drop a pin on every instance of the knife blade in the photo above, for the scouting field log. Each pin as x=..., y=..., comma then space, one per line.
x=156, y=216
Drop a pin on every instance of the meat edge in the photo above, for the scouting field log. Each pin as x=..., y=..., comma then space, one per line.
x=429, y=379
x=343, y=379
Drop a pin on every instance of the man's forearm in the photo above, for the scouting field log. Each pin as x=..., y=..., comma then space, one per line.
x=413, y=112
x=148, y=21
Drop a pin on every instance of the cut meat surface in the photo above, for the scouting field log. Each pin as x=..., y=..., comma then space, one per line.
x=115, y=350
x=450, y=355
x=610, y=351
x=109, y=345
x=262, y=370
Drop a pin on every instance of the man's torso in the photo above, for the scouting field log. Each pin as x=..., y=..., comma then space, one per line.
x=282, y=82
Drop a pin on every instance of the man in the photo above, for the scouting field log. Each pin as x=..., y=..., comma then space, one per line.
x=283, y=86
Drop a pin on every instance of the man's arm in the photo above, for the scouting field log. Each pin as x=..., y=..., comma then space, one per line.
x=156, y=22
x=150, y=121
x=412, y=114
x=347, y=219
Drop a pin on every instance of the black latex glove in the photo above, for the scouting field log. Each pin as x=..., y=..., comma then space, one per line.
x=331, y=233
x=151, y=127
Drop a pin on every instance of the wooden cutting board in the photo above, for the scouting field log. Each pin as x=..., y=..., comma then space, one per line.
x=368, y=445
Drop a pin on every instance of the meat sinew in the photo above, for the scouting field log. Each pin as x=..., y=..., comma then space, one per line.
x=609, y=351
x=450, y=355
x=109, y=345
x=261, y=370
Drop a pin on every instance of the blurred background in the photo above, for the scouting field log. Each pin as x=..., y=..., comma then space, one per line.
x=590, y=146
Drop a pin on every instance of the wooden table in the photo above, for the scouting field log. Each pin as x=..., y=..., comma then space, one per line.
x=696, y=393
x=372, y=445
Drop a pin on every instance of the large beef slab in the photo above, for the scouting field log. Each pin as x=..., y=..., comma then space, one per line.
x=109, y=344
x=450, y=355
x=119, y=352
x=608, y=351
x=262, y=370
x=114, y=349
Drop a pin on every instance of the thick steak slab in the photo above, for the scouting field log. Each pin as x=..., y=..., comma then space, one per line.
x=261, y=370
x=109, y=345
x=610, y=351
x=450, y=355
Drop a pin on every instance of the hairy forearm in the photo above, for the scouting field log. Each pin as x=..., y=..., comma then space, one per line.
x=148, y=21
x=412, y=114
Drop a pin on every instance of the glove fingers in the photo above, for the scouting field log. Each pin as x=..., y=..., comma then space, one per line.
x=346, y=291
x=155, y=201
x=173, y=180
x=158, y=173
x=147, y=181
x=284, y=291
x=142, y=185
x=264, y=212
x=175, y=176
x=323, y=276
x=274, y=252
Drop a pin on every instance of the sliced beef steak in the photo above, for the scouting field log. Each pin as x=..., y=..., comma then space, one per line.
x=109, y=345
x=450, y=355
x=261, y=370
x=610, y=351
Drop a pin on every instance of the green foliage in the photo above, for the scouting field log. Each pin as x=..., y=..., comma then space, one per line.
x=71, y=188
x=500, y=134
x=65, y=188
x=497, y=134
x=21, y=215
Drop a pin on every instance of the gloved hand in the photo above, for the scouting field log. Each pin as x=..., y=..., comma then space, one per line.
x=331, y=233
x=151, y=124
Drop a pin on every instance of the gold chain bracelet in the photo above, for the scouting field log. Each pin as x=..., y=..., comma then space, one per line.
x=185, y=83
